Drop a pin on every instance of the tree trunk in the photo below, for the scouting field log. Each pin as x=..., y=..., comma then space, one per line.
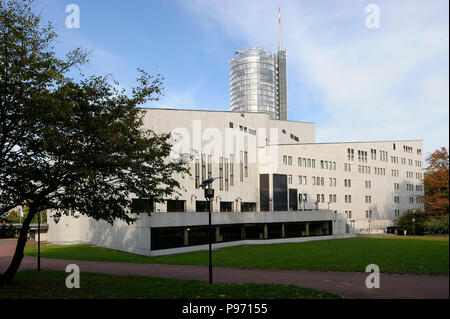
x=18, y=254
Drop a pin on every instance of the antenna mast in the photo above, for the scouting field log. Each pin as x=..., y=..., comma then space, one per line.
x=279, y=29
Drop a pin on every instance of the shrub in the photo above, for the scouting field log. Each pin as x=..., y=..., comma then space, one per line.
x=437, y=226
x=405, y=222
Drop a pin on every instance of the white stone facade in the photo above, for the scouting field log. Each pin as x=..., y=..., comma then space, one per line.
x=360, y=186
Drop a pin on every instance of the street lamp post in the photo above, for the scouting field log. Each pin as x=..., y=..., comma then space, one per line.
x=413, y=223
x=209, y=195
x=39, y=242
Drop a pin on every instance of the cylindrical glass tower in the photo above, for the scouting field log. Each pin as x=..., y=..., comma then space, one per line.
x=253, y=82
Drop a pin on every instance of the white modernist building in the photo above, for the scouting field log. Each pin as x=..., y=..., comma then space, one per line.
x=276, y=185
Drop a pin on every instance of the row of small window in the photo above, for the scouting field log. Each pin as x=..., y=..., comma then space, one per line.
x=316, y=181
x=328, y=165
x=244, y=129
x=368, y=214
x=409, y=187
x=412, y=199
x=363, y=169
x=362, y=155
x=394, y=159
x=383, y=156
x=412, y=175
x=407, y=149
x=348, y=183
x=302, y=162
x=293, y=137
x=379, y=171
x=331, y=199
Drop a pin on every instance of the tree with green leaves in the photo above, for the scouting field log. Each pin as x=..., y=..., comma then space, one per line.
x=70, y=144
x=413, y=221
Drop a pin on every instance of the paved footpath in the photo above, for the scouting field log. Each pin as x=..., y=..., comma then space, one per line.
x=346, y=284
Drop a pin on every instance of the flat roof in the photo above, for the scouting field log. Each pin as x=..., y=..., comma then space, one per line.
x=220, y=111
x=327, y=143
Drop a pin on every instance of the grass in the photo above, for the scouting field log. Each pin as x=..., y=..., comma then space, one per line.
x=414, y=255
x=51, y=285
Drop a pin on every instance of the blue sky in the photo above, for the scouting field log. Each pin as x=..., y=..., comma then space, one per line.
x=356, y=83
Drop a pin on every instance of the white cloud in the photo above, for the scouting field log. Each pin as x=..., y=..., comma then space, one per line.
x=372, y=84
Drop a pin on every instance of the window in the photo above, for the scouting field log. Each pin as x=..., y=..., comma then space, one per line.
x=209, y=169
x=290, y=160
x=231, y=124
x=231, y=170
x=203, y=167
x=226, y=174
x=290, y=179
x=197, y=173
x=284, y=160
x=241, y=166
x=309, y=162
x=300, y=162
x=300, y=179
x=246, y=164
x=221, y=173
x=313, y=163
x=304, y=180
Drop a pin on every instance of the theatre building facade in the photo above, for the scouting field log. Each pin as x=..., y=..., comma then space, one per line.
x=275, y=184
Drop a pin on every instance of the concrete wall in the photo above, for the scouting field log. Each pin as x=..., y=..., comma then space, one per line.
x=135, y=238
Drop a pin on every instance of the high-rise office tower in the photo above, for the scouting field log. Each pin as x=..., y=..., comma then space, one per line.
x=258, y=81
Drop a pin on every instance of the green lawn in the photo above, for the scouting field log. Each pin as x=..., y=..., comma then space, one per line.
x=416, y=255
x=51, y=285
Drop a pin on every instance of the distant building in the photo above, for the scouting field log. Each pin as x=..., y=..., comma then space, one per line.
x=258, y=83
